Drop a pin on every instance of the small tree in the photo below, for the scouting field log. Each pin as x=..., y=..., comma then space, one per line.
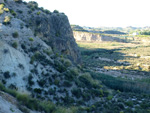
x=55, y=11
x=15, y=44
x=15, y=34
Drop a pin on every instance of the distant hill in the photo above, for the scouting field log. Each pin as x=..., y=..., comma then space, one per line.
x=97, y=30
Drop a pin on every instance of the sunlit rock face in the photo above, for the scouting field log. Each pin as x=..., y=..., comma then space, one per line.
x=93, y=37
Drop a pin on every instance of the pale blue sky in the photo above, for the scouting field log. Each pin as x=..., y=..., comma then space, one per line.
x=95, y=13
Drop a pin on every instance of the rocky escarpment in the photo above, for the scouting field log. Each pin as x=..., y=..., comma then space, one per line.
x=93, y=37
x=53, y=28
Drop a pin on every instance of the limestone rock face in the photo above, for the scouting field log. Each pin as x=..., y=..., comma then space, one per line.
x=15, y=63
x=92, y=37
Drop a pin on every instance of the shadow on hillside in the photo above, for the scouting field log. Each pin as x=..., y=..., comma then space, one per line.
x=109, y=57
x=100, y=58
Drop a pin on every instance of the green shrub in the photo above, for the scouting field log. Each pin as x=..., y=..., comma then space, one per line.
x=2, y=87
x=55, y=11
x=6, y=9
x=41, y=82
x=87, y=80
x=13, y=12
x=7, y=20
x=74, y=71
x=56, y=82
x=32, y=59
x=15, y=34
x=23, y=98
x=38, y=90
x=48, y=51
x=31, y=39
x=61, y=68
x=11, y=92
x=30, y=81
x=76, y=92
x=109, y=97
x=1, y=12
x=67, y=63
x=1, y=6
x=23, y=46
x=48, y=107
x=38, y=13
x=129, y=103
x=47, y=11
x=15, y=45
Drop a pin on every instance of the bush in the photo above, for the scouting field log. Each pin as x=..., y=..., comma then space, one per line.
x=38, y=90
x=1, y=12
x=15, y=45
x=31, y=39
x=76, y=92
x=30, y=81
x=87, y=80
x=13, y=12
x=110, y=97
x=67, y=63
x=41, y=82
x=23, y=46
x=6, y=9
x=23, y=98
x=1, y=6
x=7, y=20
x=7, y=74
x=48, y=107
x=38, y=13
x=2, y=87
x=47, y=11
x=56, y=82
x=129, y=103
x=15, y=34
x=55, y=11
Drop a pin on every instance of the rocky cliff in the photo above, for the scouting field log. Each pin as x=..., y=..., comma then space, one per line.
x=53, y=28
x=94, y=37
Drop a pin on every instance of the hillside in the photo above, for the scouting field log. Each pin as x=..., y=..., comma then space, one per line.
x=43, y=71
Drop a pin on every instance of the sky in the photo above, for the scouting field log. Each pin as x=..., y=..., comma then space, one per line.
x=97, y=13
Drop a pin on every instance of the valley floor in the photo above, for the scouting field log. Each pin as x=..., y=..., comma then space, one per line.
x=125, y=60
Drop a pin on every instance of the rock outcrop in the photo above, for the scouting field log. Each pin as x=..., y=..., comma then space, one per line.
x=53, y=28
x=94, y=37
